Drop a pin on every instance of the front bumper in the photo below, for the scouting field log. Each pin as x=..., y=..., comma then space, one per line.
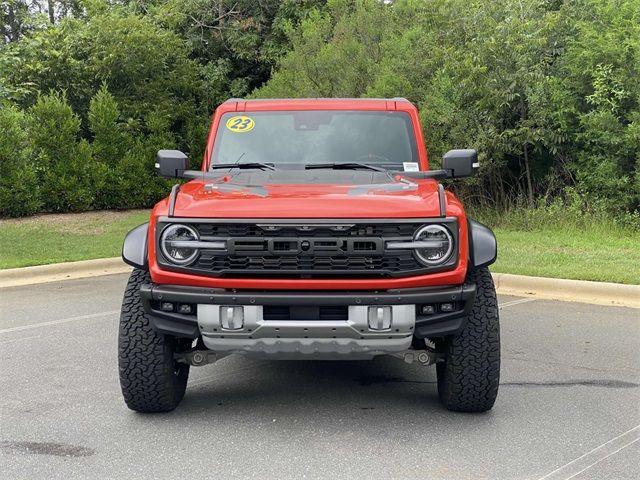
x=261, y=334
x=301, y=333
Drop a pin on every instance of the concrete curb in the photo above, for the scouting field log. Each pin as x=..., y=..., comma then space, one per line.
x=599, y=293
x=14, y=277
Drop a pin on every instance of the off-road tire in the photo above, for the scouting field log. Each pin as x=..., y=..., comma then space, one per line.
x=468, y=378
x=150, y=379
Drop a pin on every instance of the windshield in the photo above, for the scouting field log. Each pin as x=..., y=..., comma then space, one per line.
x=378, y=138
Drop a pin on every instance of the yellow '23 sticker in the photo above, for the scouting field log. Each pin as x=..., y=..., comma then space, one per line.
x=240, y=124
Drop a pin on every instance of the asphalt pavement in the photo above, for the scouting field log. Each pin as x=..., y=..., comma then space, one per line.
x=568, y=407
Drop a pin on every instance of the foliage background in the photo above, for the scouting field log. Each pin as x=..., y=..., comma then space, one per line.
x=546, y=90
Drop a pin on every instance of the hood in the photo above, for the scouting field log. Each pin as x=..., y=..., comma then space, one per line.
x=322, y=195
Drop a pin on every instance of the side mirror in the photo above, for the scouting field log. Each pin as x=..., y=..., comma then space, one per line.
x=171, y=163
x=460, y=163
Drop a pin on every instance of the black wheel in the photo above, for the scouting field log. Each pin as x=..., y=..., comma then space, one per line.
x=468, y=378
x=150, y=379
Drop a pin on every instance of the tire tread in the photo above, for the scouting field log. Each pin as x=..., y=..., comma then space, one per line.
x=145, y=358
x=469, y=378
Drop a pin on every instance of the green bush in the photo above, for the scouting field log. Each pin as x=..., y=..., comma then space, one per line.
x=98, y=96
x=63, y=161
x=110, y=140
x=19, y=186
x=19, y=192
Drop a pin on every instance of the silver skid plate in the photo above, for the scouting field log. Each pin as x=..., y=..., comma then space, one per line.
x=352, y=338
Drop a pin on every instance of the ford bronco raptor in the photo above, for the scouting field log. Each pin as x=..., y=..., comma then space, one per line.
x=314, y=229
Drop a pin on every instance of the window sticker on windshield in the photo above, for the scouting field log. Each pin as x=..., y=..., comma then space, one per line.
x=410, y=166
x=240, y=124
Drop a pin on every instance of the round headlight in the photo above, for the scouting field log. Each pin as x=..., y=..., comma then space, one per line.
x=438, y=244
x=174, y=244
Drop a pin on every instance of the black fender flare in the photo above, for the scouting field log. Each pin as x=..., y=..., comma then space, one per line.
x=134, y=249
x=483, y=247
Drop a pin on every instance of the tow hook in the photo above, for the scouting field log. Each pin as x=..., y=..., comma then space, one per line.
x=197, y=357
x=423, y=357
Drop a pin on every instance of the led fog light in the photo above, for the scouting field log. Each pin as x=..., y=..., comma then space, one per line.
x=166, y=307
x=446, y=307
x=428, y=309
x=185, y=309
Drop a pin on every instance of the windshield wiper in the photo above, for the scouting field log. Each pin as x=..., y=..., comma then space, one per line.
x=261, y=166
x=345, y=166
x=423, y=175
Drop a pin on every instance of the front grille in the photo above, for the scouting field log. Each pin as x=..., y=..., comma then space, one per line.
x=366, y=266
x=349, y=248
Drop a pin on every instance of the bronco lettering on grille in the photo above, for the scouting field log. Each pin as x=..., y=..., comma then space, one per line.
x=265, y=246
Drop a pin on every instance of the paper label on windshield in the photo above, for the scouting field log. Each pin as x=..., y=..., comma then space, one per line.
x=240, y=124
x=410, y=166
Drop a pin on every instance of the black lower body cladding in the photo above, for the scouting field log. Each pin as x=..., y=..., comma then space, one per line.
x=434, y=321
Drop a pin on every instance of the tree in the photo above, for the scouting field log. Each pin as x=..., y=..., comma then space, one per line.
x=544, y=90
x=237, y=42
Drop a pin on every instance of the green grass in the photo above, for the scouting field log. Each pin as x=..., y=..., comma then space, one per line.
x=64, y=238
x=564, y=242
x=528, y=243
x=587, y=254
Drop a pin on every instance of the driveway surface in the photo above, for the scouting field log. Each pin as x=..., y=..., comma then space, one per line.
x=568, y=407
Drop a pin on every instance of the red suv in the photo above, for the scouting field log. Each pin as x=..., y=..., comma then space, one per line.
x=314, y=229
